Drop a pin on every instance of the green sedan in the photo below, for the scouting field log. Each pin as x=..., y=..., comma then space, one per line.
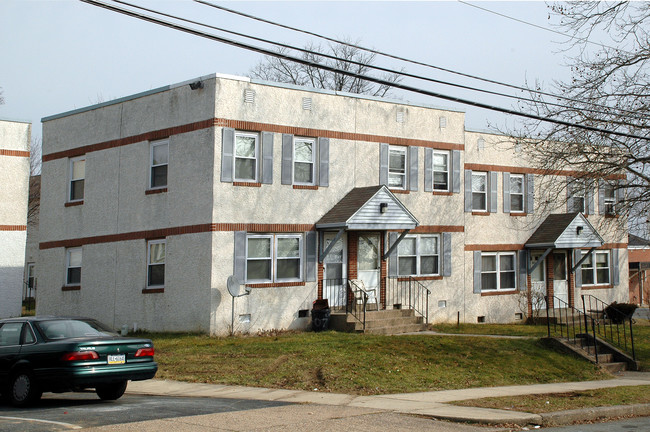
x=54, y=354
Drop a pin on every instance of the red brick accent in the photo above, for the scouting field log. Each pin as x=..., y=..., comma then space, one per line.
x=432, y=229
x=247, y=184
x=526, y=170
x=16, y=153
x=321, y=276
x=153, y=290
x=594, y=287
x=529, y=284
x=307, y=187
x=494, y=247
x=155, y=191
x=13, y=227
x=443, y=193
x=549, y=279
x=518, y=214
x=400, y=191
x=419, y=278
x=353, y=248
x=480, y=213
x=498, y=293
x=383, y=271
x=74, y=203
x=275, y=284
x=71, y=288
x=572, y=279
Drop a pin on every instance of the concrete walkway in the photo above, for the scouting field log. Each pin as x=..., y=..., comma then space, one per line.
x=431, y=404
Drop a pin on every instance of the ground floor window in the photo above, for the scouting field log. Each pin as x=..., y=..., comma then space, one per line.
x=156, y=263
x=419, y=256
x=73, y=267
x=595, y=269
x=273, y=258
x=498, y=271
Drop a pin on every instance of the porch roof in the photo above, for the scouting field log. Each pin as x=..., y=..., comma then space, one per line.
x=369, y=208
x=565, y=231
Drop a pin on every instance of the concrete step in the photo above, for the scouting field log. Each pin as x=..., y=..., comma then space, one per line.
x=613, y=367
x=406, y=328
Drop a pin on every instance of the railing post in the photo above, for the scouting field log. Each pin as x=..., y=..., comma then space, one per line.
x=548, y=318
x=632, y=341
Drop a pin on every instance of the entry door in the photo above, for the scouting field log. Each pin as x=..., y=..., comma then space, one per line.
x=368, y=264
x=560, y=280
x=538, y=282
x=335, y=271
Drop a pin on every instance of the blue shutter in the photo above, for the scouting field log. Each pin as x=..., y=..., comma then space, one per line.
x=455, y=173
x=413, y=167
x=428, y=169
x=267, y=157
x=287, y=159
x=523, y=270
x=577, y=256
x=477, y=272
x=446, y=254
x=239, y=263
x=506, y=192
x=468, y=190
x=530, y=193
x=311, y=256
x=383, y=164
x=227, y=153
x=615, y=276
x=392, y=258
x=323, y=161
x=492, y=190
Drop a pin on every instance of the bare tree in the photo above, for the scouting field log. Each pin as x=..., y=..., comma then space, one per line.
x=2, y=99
x=35, y=161
x=281, y=70
x=609, y=90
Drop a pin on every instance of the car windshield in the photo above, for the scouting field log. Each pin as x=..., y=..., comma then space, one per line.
x=72, y=328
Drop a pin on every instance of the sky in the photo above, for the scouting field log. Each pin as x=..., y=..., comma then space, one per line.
x=60, y=55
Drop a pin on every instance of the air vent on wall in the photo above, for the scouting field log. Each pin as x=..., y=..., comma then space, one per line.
x=400, y=116
x=306, y=103
x=249, y=96
x=443, y=122
x=480, y=144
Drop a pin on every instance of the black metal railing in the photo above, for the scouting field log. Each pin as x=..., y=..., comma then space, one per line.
x=610, y=324
x=408, y=293
x=357, y=299
x=29, y=301
x=571, y=324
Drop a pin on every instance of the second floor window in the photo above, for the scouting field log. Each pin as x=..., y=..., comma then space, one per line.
x=516, y=193
x=479, y=191
x=577, y=201
x=303, y=161
x=397, y=167
x=77, y=178
x=609, y=197
x=246, y=156
x=440, y=171
x=159, y=160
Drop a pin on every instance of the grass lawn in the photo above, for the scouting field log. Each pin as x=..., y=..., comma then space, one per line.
x=539, y=404
x=364, y=364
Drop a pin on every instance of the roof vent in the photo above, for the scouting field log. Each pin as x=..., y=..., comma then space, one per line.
x=249, y=96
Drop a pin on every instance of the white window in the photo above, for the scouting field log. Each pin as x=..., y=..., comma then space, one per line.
x=419, y=256
x=498, y=271
x=303, y=161
x=158, y=161
x=596, y=274
x=516, y=193
x=441, y=171
x=31, y=276
x=156, y=263
x=610, y=199
x=73, y=267
x=274, y=258
x=397, y=167
x=479, y=191
x=77, y=178
x=246, y=156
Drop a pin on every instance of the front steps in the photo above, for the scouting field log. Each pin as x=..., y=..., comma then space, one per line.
x=387, y=322
x=610, y=358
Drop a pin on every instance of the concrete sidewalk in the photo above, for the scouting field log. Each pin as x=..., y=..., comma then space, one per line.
x=431, y=404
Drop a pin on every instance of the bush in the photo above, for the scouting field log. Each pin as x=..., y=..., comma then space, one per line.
x=618, y=312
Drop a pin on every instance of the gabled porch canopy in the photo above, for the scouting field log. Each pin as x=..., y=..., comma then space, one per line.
x=565, y=231
x=372, y=208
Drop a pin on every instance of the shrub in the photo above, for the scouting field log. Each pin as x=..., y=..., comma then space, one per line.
x=618, y=312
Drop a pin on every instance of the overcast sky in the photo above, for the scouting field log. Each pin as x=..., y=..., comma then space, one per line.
x=59, y=55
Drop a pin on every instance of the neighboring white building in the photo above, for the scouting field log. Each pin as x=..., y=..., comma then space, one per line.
x=150, y=202
x=15, y=138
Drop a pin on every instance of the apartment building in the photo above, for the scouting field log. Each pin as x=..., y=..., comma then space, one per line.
x=151, y=202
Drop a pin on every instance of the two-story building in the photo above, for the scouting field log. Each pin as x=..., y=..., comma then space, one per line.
x=150, y=202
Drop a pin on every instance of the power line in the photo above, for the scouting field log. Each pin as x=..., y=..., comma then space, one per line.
x=395, y=57
x=380, y=81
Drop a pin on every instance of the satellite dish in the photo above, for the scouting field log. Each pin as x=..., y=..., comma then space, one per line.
x=234, y=286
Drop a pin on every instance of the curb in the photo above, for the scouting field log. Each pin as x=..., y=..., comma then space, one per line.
x=559, y=418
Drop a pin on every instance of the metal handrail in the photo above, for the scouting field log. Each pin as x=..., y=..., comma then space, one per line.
x=605, y=325
x=351, y=302
x=418, y=303
x=568, y=326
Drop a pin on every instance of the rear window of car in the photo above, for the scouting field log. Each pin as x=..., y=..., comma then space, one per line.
x=65, y=329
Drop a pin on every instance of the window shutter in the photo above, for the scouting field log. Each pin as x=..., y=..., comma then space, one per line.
x=239, y=265
x=523, y=270
x=569, y=201
x=615, y=276
x=310, y=255
x=530, y=193
x=492, y=190
x=383, y=164
x=455, y=161
x=446, y=254
x=227, y=153
x=620, y=194
x=477, y=272
x=323, y=161
x=506, y=192
x=413, y=168
x=577, y=256
x=267, y=157
x=468, y=190
x=601, y=197
x=589, y=199
x=287, y=159
x=392, y=258
x=428, y=169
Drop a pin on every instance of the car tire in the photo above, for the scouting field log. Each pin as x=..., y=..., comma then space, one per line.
x=111, y=391
x=22, y=389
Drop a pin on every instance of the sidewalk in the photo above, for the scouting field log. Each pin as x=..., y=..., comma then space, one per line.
x=430, y=404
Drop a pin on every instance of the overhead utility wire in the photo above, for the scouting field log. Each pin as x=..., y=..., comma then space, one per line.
x=396, y=57
x=268, y=52
x=354, y=62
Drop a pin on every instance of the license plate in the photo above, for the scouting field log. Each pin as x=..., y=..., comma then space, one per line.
x=116, y=359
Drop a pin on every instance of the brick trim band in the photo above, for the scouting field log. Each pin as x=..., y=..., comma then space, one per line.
x=13, y=227
x=526, y=170
x=15, y=153
x=432, y=229
x=493, y=247
x=250, y=126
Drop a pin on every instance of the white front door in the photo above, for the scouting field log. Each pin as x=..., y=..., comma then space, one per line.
x=538, y=282
x=335, y=270
x=560, y=280
x=368, y=264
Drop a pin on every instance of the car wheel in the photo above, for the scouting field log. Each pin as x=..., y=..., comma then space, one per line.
x=23, y=390
x=111, y=391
